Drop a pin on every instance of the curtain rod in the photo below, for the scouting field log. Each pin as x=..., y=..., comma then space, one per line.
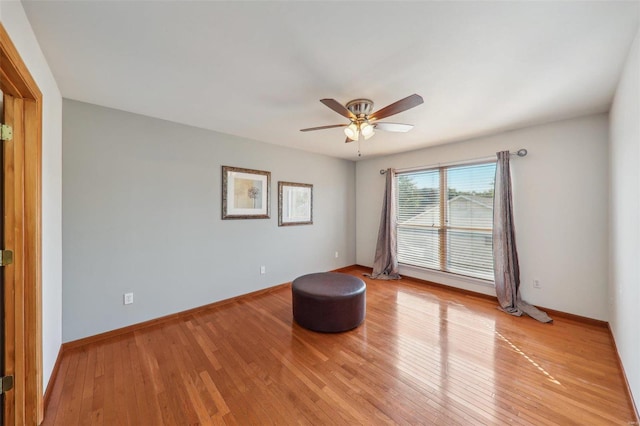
x=520, y=153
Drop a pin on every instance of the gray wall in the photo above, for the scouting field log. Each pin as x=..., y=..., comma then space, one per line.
x=560, y=207
x=624, y=243
x=142, y=214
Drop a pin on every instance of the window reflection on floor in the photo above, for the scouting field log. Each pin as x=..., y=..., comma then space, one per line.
x=450, y=349
x=443, y=353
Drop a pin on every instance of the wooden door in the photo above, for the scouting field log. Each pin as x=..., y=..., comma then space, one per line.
x=2, y=274
x=22, y=103
x=8, y=272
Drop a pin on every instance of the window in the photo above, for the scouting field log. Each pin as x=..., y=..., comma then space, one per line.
x=445, y=219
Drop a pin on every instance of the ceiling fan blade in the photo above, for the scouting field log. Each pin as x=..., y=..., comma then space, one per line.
x=347, y=140
x=397, y=107
x=393, y=127
x=338, y=107
x=323, y=127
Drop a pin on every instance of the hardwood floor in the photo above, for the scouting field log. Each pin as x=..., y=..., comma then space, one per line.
x=424, y=355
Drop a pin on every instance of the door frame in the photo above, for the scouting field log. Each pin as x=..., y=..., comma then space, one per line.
x=23, y=235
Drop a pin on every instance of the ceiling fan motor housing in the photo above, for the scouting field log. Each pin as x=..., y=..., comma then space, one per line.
x=360, y=107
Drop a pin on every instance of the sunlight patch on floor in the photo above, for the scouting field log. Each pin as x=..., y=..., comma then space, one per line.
x=535, y=364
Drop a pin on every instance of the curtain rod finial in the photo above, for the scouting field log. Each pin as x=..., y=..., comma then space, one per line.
x=522, y=152
x=382, y=171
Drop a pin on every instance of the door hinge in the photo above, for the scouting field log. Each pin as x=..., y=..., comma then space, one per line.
x=6, y=257
x=6, y=132
x=6, y=384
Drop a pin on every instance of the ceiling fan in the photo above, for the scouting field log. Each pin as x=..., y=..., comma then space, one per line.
x=364, y=121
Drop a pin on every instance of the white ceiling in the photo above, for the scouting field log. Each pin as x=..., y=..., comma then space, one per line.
x=258, y=69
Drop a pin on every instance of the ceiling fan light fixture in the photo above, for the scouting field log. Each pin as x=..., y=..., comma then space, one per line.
x=367, y=130
x=351, y=131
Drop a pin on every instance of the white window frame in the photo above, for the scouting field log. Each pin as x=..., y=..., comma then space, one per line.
x=444, y=227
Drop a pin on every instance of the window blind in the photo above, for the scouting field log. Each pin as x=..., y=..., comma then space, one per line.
x=445, y=219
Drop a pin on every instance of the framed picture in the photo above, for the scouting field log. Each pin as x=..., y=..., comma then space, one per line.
x=295, y=204
x=245, y=193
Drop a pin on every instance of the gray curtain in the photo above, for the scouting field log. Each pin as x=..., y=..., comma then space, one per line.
x=505, y=255
x=385, y=263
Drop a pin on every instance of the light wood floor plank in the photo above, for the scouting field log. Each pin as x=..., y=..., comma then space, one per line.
x=424, y=355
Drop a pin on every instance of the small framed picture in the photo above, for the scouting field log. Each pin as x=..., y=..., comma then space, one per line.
x=295, y=204
x=245, y=193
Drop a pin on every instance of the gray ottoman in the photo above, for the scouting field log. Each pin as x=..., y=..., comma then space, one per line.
x=329, y=302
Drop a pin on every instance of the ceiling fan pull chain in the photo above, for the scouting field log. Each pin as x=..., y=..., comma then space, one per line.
x=359, y=155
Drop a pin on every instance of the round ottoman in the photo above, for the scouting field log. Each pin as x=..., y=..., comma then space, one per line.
x=329, y=301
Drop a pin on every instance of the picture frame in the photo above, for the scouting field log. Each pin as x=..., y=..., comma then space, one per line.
x=295, y=204
x=246, y=193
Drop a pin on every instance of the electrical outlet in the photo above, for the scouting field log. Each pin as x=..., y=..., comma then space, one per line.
x=128, y=298
x=536, y=284
x=337, y=255
x=263, y=270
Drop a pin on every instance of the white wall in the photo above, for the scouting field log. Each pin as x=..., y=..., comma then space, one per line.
x=624, y=279
x=15, y=22
x=560, y=207
x=142, y=213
